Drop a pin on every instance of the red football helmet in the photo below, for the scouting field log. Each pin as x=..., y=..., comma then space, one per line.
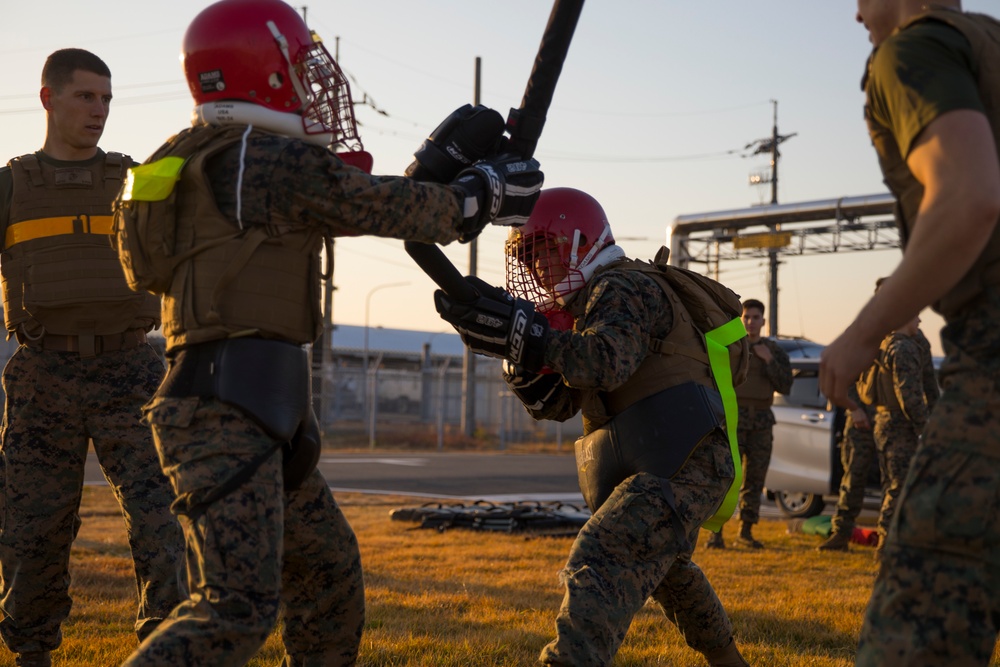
x=551, y=257
x=261, y=51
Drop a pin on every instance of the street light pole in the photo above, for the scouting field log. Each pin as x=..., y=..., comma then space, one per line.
x=368, y=303
x=370, y=397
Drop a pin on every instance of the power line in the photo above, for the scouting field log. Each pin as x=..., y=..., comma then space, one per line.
x=90, y=40
x=666, y=114
x=127, y=86
x=116, y=102
x=635, y=159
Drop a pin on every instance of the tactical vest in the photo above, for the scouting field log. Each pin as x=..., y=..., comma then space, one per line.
x=757, y=391
x=61, y=274
x=983, y=33
x=259, y=281
x=677, y=358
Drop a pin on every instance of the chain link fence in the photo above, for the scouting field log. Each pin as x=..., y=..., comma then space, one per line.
x=427, y=399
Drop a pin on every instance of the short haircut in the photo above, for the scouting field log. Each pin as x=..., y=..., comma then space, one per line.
x=753, y=303
x=60, y=66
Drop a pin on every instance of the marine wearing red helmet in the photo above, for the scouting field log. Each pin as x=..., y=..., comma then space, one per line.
x=556, y=252
x=262, y=52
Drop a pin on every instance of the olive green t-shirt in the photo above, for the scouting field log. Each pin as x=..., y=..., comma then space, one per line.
x=918, y=74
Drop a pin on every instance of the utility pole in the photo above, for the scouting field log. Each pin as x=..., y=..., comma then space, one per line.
x=469, y=360
x=770, y=146
x=322, y=350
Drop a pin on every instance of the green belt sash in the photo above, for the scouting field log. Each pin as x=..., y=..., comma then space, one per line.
x=717, y=340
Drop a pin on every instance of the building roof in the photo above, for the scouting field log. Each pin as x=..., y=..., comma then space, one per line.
x=352, y=337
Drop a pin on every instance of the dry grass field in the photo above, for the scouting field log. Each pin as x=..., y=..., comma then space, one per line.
x=467, y=598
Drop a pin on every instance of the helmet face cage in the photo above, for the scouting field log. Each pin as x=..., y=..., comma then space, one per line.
x=552, y=256
x=329, y=107
x=539, y=268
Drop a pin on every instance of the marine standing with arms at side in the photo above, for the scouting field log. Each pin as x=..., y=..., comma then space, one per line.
x=770, y=371
x=900, y=415
x=857, y=452
x=623, y=351
x=932, y=93
x=82, y=372
x=227, y=221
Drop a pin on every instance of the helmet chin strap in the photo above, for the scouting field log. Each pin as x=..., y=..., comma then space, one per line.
x=248, y=113
x=568, y=287
x=594, y=248
x=304, y=95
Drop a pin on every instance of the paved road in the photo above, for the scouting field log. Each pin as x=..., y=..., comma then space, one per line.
x=496, y=477
x=453, y=476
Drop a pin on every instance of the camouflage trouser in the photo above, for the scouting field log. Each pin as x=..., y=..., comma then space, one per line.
x=936, y=601
x=55, y=401
x=896, y=442
x=254, y=551
x=856, y=454
x=754, y=435
x=632, y=549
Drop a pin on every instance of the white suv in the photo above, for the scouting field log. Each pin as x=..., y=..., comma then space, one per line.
x=805, y=468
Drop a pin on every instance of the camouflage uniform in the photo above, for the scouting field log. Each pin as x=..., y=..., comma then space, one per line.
x=635, y=546
x=899, y=419
x=935, y=602
x=260, y=548
x=756, y=424
x=56, y=403
x=253, y=550
x=857, y=453
x=932, y=392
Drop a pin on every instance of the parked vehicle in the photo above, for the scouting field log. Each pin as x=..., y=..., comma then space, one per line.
x=800, y=348
x=805, y=469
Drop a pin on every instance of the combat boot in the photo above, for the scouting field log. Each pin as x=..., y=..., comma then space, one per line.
x=728, y=656
x=715, y=541
x=34, y=659
x=746, y=537
x=836, y=542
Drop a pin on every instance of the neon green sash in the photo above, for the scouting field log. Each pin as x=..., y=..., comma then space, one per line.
x=153, y=182
x=717, y=340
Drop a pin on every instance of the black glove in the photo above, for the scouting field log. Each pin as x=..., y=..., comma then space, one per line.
x=469, y=134
x=533, y=389
x=497, y=325
x=500, y=190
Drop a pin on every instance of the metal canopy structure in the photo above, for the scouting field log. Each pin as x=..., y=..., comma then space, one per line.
x=806, y=228
x=847, y=224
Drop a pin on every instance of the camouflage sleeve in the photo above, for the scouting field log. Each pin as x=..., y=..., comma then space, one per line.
x=623, y=308
x=313, y=186
x=779, y=370
x=932, y=392
x=852, y=393
x=903, y=357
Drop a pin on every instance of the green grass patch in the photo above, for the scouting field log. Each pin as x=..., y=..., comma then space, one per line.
x=465, y=598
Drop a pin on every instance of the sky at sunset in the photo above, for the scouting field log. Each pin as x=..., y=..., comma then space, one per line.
x=656, y=104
